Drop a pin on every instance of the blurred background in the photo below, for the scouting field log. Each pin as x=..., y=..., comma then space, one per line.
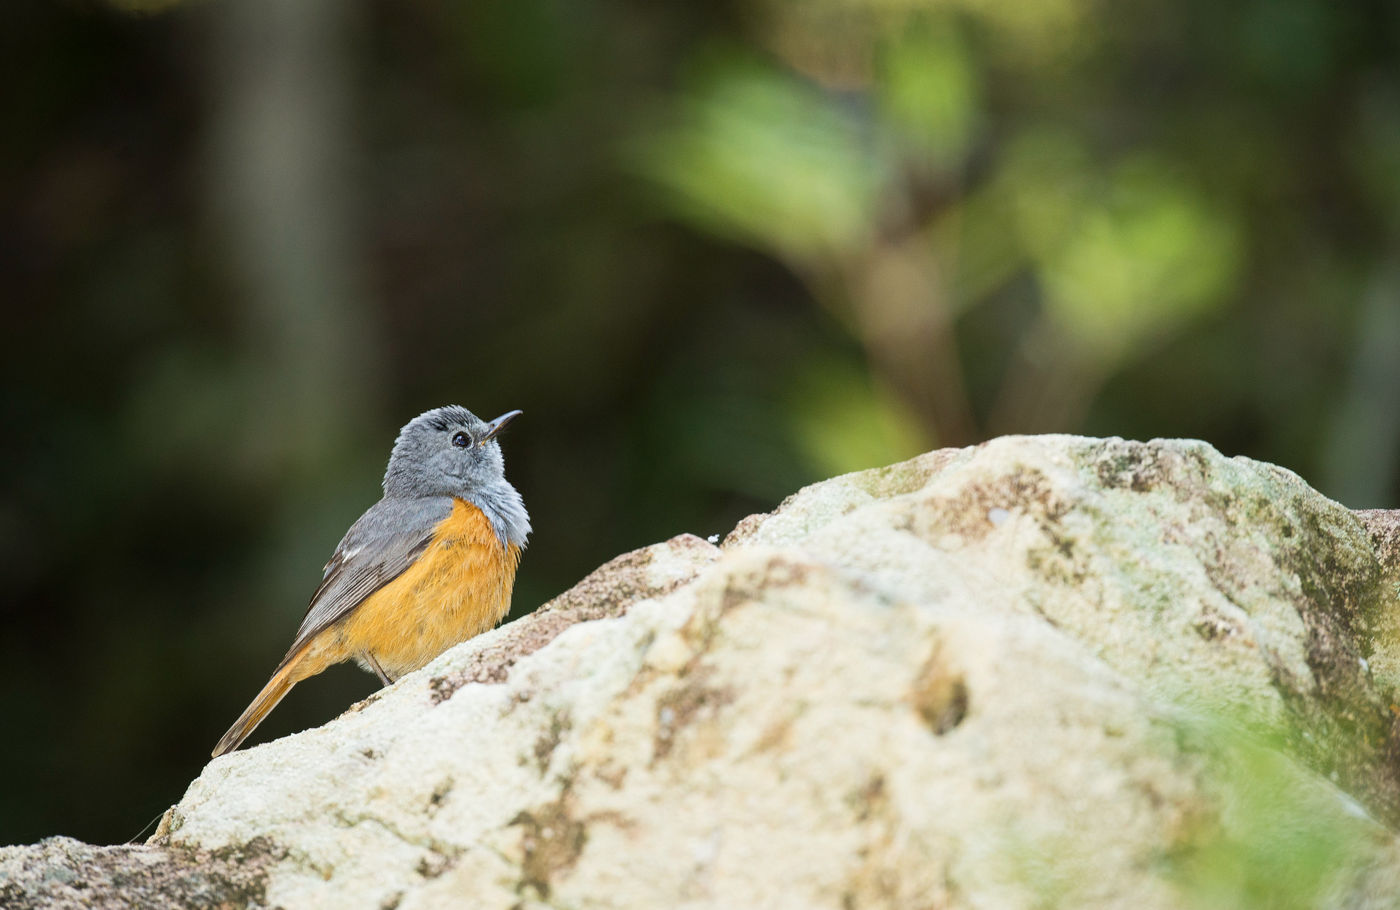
x=714, y=251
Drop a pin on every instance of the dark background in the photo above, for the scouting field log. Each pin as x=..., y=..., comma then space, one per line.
x=713, y=250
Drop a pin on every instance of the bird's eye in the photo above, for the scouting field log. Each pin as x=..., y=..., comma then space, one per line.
x=461, y=440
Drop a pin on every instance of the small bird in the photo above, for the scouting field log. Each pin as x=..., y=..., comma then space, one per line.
x=429, y=565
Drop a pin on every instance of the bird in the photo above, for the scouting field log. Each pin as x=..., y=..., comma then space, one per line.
x=431, y=564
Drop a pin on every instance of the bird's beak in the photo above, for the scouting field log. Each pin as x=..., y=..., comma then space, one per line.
x=498, y=425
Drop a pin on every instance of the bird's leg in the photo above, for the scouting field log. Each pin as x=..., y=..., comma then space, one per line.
x=378, y=670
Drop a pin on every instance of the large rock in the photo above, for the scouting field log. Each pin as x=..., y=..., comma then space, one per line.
x=1043, y=671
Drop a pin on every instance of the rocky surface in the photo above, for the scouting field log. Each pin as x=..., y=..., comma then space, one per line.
x=1044, y=671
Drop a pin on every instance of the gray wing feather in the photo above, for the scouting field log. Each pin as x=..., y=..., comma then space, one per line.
x=378, y=548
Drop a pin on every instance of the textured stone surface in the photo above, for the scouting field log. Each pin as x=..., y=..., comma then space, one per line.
x=1041, y=671
x=62, y=872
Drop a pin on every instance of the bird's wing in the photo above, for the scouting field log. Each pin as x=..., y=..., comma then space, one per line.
x=378, y=548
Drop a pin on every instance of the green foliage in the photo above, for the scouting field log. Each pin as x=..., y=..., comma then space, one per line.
x=1139, y=258
x=1283, y=840
x=1256, y=831
x=766, y=160
x=929, y=93
x=1125, y=249
x=841, y=421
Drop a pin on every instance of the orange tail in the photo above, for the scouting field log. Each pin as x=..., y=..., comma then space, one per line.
x=279, y=685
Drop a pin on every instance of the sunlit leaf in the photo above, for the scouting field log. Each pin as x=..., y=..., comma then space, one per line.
x=842, y=421
x=1149, y=256
x=766, y=160
x=929, y=91
x=1285, y=839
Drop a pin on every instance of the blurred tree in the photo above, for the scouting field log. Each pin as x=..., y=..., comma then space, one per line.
x=869, y=194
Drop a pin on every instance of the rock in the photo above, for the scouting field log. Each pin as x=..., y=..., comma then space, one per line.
x=62, y=872
x=1044, y=671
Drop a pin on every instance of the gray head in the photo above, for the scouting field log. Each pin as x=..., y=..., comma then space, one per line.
x=452, y=452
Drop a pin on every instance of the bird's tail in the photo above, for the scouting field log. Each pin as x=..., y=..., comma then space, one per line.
x=279, y=685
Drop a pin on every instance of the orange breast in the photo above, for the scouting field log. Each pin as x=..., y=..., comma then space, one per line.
x=458, y=588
